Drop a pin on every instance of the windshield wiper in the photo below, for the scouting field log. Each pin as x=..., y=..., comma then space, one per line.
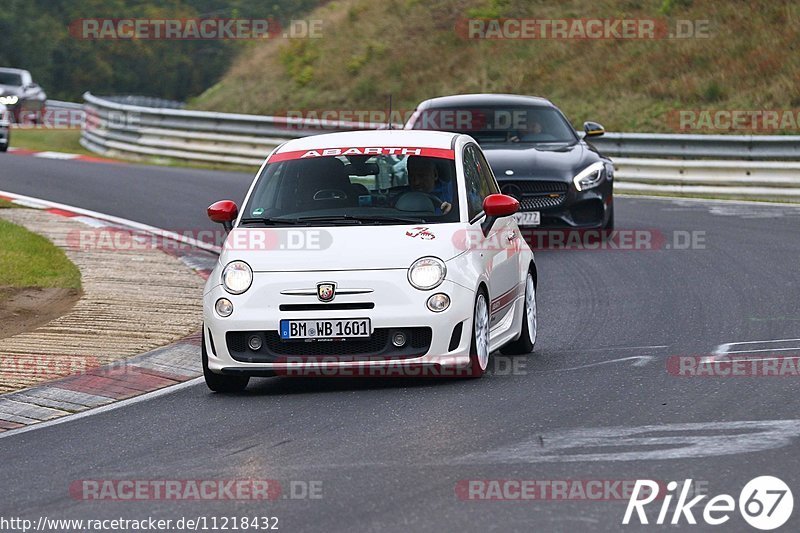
x=362, y=218
x=270, y=221
x=381, y=218
x=330, y=218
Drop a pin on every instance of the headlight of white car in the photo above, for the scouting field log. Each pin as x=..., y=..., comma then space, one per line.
x=427, y=273
x=590, y=177
x=237, y=276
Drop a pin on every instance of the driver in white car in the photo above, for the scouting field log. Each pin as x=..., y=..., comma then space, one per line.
x=422, y=177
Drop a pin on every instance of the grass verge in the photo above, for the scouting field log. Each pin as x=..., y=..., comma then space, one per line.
x=49, y=140
x=30, y=260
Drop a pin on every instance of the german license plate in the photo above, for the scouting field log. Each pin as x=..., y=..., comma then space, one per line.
x=528, y=218
x=350, y=328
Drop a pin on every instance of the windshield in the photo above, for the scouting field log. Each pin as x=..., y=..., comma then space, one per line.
x=501, y=124
x=8, y=78
x=356, y=189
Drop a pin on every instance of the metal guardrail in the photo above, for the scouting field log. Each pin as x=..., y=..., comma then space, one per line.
x=58, y=104
x=755, y=166
x=135, y=131
x=685, y=146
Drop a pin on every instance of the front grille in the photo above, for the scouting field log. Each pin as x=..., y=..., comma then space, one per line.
x=374, y=344
x=378, y=346
x=539, y=202
x=534, y=195
x=539, y=187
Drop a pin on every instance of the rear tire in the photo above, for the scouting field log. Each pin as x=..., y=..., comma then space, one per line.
x=530, y=323
x=220, y=382
x=479, y=347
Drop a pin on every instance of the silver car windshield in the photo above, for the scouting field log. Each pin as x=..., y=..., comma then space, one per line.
x=9, y=78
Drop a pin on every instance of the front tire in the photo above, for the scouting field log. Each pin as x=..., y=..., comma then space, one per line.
x=220, y=382
x=530, y=323
x=609, y=226
x=479, y=347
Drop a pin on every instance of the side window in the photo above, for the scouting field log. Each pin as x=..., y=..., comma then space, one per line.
x=474, y=183
x=489, y=183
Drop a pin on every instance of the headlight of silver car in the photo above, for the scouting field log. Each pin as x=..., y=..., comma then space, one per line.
x=590, y=177
x=237, y=276
x=427, y=273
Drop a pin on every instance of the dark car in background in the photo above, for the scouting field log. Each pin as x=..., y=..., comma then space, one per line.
x=559, y=179
x=23, y=97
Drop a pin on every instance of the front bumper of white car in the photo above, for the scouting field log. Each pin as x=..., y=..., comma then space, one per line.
x=439, y=340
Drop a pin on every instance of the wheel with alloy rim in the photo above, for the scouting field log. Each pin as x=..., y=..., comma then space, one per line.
x=527, y=337
x=479, y=348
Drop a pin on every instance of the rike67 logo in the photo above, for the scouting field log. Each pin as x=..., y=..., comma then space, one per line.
x=765, y=503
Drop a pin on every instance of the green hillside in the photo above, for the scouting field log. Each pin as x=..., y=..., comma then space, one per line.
x=411, y=49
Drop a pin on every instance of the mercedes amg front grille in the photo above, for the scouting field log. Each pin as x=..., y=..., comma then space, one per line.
x=535, y=195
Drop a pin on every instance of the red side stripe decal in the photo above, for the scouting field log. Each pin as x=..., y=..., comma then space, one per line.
x=505, y=299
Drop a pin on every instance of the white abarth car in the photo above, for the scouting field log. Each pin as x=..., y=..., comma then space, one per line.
x=342, y=263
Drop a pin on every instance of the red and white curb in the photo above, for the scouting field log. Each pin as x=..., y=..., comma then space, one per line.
x=101, y=387
x=158, y=369
x=60, y=156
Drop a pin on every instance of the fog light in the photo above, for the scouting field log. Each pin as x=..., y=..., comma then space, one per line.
x=438, y=302
x=224, y=307
x=399, y=339
x=254, y=342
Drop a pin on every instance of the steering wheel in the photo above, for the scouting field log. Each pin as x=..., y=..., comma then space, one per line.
x=417, y=201
x=330, y=194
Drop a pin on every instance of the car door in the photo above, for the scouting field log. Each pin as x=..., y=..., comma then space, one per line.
x=496, y=251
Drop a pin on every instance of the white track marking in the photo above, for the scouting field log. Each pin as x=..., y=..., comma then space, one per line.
x=105, y=408
x=726, y=348
x=793, y=348
x=56, y=155
x=765, y=342
x=614, y=348
x=641, y=360
x=656, y=442
x=46, y=204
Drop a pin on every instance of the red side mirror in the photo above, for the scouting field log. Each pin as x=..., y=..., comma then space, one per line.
x=500, y=205
x=224, y=212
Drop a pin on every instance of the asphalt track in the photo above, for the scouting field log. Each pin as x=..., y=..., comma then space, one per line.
x=593, y=402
